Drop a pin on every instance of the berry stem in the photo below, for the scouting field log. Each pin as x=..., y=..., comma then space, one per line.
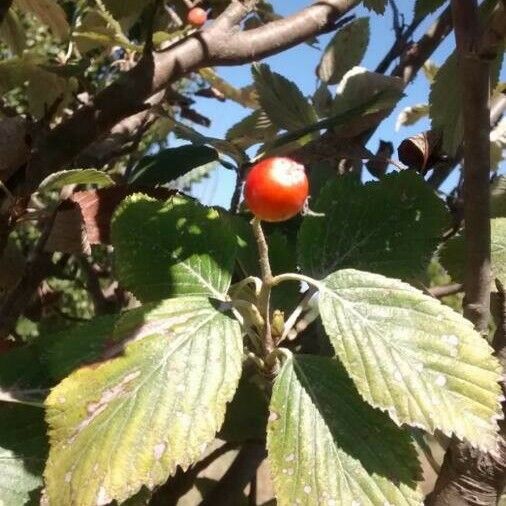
x=264, y=296
x=293, y=276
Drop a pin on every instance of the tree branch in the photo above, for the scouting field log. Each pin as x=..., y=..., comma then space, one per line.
x=417, y=54
x=18, y=299
x=469, y=476
x=444, y=291
x=128, y=95
x=399, y=45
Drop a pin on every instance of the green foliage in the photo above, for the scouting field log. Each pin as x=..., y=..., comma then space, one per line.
x=344, y=51
x=357, y=87
x=43, y=89
x=130, y=396
x=23, y=451
x=253, y=129
x=446, y=95
x=48, y=12
x=172, y=163
x=172, y=248
x=425, y=7
x=377, y=6
x=391, y=227
x=58, y=180
x=281, y=100
x=85, y=343
x=179, y=364
x=355, y=113
x=12, y=32
x=453, y=253
x=326, y=443
x=408, y=354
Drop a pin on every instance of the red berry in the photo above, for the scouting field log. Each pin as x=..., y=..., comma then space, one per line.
x=276, y=189
x=197, y=17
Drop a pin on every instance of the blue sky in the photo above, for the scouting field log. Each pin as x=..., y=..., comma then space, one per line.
x=298, y=64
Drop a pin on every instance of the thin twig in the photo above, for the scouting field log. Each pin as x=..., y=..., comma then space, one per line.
x=265, y=291
x=417, y=54
x=236, y=196
x=101, y=303
x=444, y=291
x=18, y=299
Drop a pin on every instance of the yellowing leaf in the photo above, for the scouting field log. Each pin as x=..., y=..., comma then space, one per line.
x=412, y=356
x=130, y=420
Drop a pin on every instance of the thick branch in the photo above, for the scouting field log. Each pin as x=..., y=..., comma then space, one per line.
x=474, y=77
x=128, y=95
x=469, y=477
x=100, y=152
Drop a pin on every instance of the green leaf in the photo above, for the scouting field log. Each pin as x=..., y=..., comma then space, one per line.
x=126, y=8
x=327, y=446
x=23, y=377
x=254, y=128
x=322, y=100
x=412, y=356
x=377, y=6
x=281, y=100
x=358, y=87
x=84, y=343
x=165, y=249
x=223, y=146
x=453, y=253
x=444, y=98
x=23, y=450
x=344, y=51
x=185, y=182
x=43, y=88
x=358, y=116
x=12, y=32
x=445, y=95
x=49, y=12
x=243, y=96
x=169, y=164
x=426, y=7
x=62, y=178
x=391, y=226
x=131, y=420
